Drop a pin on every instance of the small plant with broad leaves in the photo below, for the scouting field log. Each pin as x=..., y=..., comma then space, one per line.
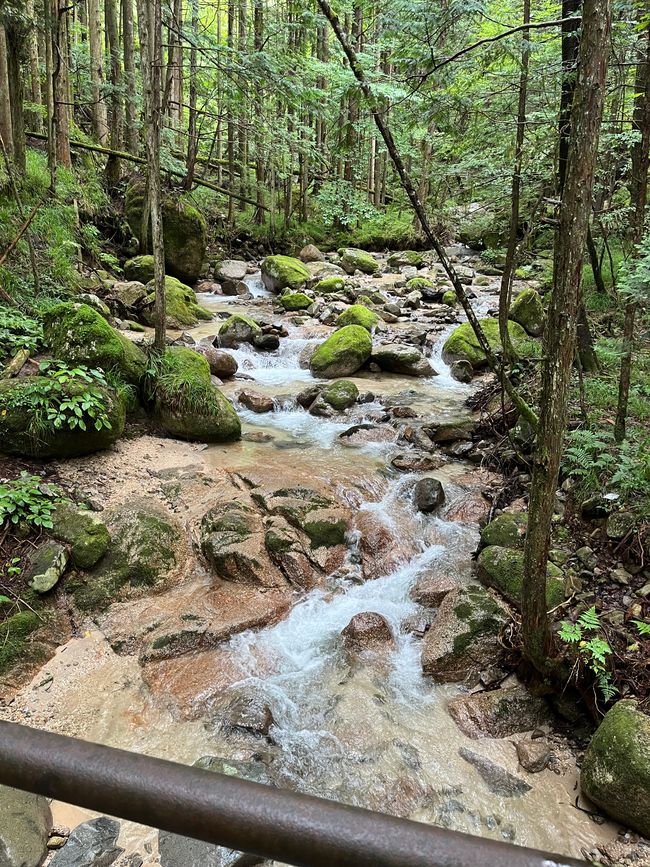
x=587, y=639
x=17, y=332
x=28, y=499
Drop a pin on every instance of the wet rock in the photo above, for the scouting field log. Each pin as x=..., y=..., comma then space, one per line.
x=533, y=756
x=25, y=823
x=432, y=589
x=414, y=461
x=429, y=495
x=498, y=780
x=461, y=370
x=311, y=253
x=222, y=364
x=92, y=844
x=83, y=531
x=238, y=329
x=406, y=360
x=342, y=354
x=464, y=639
x=451, y=431
x=266, y=342
x=248, y=713
x=232, y=541
x=286, y=549
x=367, y=631
x=283, y=272
x=615, y=772
x=341, y=394
x=231, y=269
x=507, y=530
x=498, y=713
x=309, y=511
x=321, y=409
x=307, y=396
x=503, y=569
x=46, y=566
x=256, y=402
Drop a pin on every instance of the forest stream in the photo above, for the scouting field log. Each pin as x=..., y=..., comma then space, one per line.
x=261, y=676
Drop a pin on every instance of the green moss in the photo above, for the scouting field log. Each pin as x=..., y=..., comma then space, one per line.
x=182, y=311
x=343, y=353
x=188, y=405
x=503, y=569
x=325, y=532
x=450, y=298
x=276, y=543
x=357, y=314
x=77, y=333
x=507, y=530
x=139, y=268
x=528, y=310
x=329, y=286
x=296, y=301
x=365, y=300
x=340, y=394
x=417, y=284
x=238, y=329
x=283, y=272
x=353, y=259
x=462, y=343
x=14, y=635
x=406, y=257
x=87, y=536
x=479, y=613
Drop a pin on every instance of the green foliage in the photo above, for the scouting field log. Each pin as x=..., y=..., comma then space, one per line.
x=591, y=648
x=28, y=499
x=18, y=331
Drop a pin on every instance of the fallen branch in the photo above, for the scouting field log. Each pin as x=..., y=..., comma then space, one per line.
x=13, y=367
x=25, y=226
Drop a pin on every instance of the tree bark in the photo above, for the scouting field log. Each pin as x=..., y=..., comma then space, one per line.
x=113, y=170
x=132, y=139
x=99, y=113
x=560, y=332
x=6, y=130
x=34, y=119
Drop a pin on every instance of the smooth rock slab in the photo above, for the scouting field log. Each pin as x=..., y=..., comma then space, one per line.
x=92, y=844
x=498, y=713
x=498, y=780
x=25, y=822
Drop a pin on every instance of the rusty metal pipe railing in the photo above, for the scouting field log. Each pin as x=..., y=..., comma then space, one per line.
x=249, y=817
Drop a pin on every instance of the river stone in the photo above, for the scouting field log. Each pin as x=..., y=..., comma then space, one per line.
x=498, y=713
x=406, y=257
x=353, y=259
x=83, y=531
x=528, y=310
x=507, y=530
x=231, y=269
x=503, y=569
x=463, y=344
x=309, y=511
x=406, y=360
x=283, y=272
x=533, y=756
x=429, y=494
x=615, y=772
x=464, y=639
x=451, y=431
x=311, y=253
x=285, y=547
x=232, y=541
x=222, y=364
x=255, y=401
x=25, y=822
x=249, y=713
x=237, y=329
x=46, y=566
x=177, y=851
x=342, y=354
x=498, y=780
x=367, y=631
x=340, y=395
x=307, y=396
x=91, y=844
x=432, y=589
x=462, y=371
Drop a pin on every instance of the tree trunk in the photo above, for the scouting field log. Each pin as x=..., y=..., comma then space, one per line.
x=560, y=332
x=98, y=109
x=60, y=88
x=6, y=130
x=34, y=119
x=132, y=139
x=192, y=132
x=112, y=34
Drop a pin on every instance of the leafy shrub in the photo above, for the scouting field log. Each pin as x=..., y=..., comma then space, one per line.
x=18, y=331
x=591, y=647
x=28, y=499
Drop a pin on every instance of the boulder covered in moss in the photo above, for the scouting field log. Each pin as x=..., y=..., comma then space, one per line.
x=464, y=638
x=329, y=286
x=406, y=360
x=25, y=429
x=406, y=257
x=140, y=269
x=232, y=541
x=358, y=314
x=184, y=230
x=449, y=298
x=353, y=260
x=16, y=636
x=507, y=530
x=343, y=353
x=463, y=344
x=340, y=395
x=419, y=284
x=283, y=272
x=305, y=509
x=296, y=301
x=528, y=310
x=83, y=530
x=145, y=545
x=186, y=402
x=503, y=569
x=238, y=329
x=46, y=565
x=78, y=334
x=181, y=308
x=615, y=773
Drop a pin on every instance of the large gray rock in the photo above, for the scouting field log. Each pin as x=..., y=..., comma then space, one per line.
x=429, y=494
x=92, y=844
x=498, y=780
x=231, y=269
x=498, y=713
x=25, y=822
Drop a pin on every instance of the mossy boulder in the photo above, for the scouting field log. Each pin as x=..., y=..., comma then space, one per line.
x=464, y=639
x=85, y=533
x=343, y=353
x=144, y=548
x=46, y=565
x=528, y=310
x=182, y=311
x=406, y=257
x=463, y=345
x=507, y=530
x=188, y=405
x=309, y=511
x=283, y=272
x=503, y=569
x=358, y=314
x=341, y=394
x=615, y=773
x=25, y=431
x=15, y=634
x=77, y=333
x=296, y=301
x=238, y=329
x=329, y=286
x=405, y=360
x=140, y=269
x=184, y=230
x=418, y=284
x=449, y=298
x=232, y=541
x=353, y=260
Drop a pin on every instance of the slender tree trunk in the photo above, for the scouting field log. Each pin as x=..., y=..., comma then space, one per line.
x=260, y=174
x=132, y=139
x=60, y=88
x=34, y=119
x=230, y=41
x=6, y=127
x=560, y=332
x=638, y=197
x=95, y=40
x=192, y=133
x=113, y=170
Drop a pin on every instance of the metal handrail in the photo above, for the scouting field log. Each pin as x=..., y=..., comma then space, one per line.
x=245, y=816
